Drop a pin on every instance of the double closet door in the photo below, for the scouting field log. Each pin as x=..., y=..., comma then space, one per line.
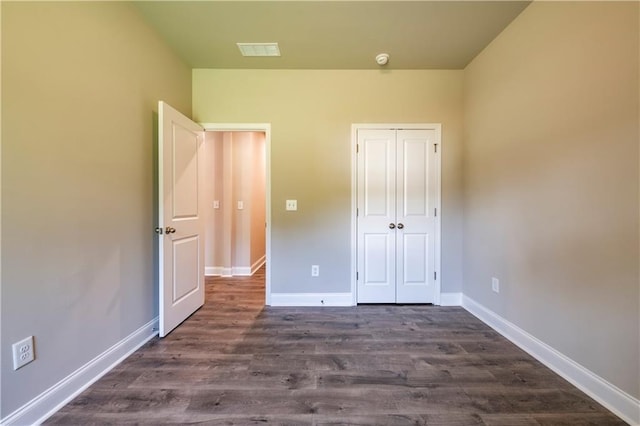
x=397, y=189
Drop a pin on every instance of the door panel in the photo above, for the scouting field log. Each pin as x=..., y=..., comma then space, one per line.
x=181, y=275
x=377, y=248
x=415, y=253
x=185, y=172
x=378, y=177
x=186, y=267
x=376, y=210
x=414, y=181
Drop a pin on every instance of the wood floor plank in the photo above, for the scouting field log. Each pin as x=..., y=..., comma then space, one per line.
x=237, y=362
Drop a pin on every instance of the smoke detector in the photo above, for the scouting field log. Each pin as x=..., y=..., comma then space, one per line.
x=382, y=59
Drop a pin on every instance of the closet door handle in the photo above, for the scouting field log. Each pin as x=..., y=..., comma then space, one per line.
x=400, y=226
x=392, y=226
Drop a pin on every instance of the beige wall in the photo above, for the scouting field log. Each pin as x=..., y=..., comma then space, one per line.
x=258, y=198
x=551, y=181
x=80, y=84
x=241, y=181
x=311, y=113
x=214, y=229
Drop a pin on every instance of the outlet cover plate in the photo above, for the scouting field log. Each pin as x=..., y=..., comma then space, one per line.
x=22, y=352
x=292, y=205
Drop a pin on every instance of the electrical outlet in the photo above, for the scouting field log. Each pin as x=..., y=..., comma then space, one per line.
x=23, y=352
x=216, y=204
x=495, y=285
x=291, y=205
x=315, y=270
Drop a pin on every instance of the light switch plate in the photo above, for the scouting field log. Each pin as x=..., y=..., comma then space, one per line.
x=292, y=205
x=216, y=204
x=240, y=205
x=495, y=285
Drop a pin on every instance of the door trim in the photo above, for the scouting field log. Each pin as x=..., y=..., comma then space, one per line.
x=437, y=127
x=266, y=128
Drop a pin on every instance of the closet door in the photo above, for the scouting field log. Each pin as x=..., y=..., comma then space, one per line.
x=396, y=203
x=376, y=216
x=415, y=210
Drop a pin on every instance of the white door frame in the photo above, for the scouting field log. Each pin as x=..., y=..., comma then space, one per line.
x=437, y=127
x=255, y=127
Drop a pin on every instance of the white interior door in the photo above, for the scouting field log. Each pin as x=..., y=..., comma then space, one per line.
x=181, y=224
x=376, y=216
x=415, y=211
x=397, y=190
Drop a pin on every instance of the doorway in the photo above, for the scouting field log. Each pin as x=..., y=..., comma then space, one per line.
x=397, y=213
x=237, y=184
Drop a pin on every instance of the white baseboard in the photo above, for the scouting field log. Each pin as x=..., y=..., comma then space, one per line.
x=258, y=264
x=212, y=271
x=217, y=271
x=311, y=299
x=451, y=299
x=48, y=402
x=241, y=271
x=616, y=400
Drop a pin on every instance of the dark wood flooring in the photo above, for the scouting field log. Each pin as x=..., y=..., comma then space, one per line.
x=237, y=362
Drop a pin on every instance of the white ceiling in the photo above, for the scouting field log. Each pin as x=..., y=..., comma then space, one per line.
x=331, y=34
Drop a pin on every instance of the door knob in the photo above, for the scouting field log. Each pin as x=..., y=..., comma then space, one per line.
x=400, y=226
x=392, y=225
x=170, y=230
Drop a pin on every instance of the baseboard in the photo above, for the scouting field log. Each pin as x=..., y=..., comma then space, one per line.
x=47, y=403
x=614, y=399
x=258, y=264
x=217, y=271
x=451, y=299
x=240, y=271
x=211, y=271
x=311, y=299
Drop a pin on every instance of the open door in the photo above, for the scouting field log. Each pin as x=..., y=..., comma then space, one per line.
x=180, y=221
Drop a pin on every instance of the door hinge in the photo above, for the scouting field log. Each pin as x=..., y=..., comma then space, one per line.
x=435, y=148
x=435, y=275
x=357, y=276
x=357, y=212
x=435, y=212
x=357, y=148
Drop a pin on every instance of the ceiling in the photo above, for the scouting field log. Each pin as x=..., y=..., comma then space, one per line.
x=331, y=34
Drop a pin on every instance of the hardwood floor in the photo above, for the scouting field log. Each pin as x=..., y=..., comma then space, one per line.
x=237, y=362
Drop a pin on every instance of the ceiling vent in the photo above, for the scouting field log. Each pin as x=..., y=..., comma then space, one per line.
x=259, y=49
